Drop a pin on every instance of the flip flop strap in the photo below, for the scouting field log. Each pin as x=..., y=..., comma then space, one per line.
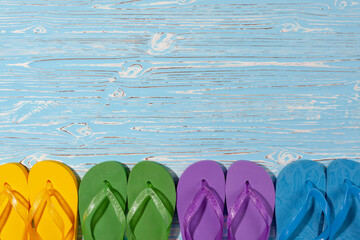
x=205, y=192
x=17, y=202
x=313, y=194
x=258, y=201
x=108, y=192
x=351, y=190
x=42, y=200
x=163, y=207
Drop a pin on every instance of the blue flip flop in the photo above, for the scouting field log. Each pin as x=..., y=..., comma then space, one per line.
x=343, y=181
x=300, y=202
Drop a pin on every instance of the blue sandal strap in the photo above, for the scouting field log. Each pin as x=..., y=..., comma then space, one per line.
x=318, y=196
x=351, y=190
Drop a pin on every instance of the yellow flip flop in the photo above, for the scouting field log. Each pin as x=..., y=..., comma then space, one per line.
x=14, y=202
x=53, y=193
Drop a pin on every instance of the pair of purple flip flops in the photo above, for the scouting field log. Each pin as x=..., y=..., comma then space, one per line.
x=250, y=201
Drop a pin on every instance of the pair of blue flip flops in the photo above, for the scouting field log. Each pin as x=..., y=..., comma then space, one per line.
x=313, y=202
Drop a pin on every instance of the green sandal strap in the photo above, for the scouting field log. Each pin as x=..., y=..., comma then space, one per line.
x=98, y=206
x=161, y=202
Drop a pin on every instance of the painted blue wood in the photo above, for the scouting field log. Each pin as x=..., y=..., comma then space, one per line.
x=179, y=81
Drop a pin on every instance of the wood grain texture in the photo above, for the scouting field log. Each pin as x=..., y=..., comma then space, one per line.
x=179, y=81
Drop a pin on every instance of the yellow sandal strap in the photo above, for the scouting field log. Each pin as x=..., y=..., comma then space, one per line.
x=44, y=199
x=14, y=200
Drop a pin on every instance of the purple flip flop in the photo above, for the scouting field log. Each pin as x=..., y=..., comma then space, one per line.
x=250, y=199
x=200, y=201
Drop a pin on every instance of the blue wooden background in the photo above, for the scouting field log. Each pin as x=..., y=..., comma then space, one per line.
x=177, y=81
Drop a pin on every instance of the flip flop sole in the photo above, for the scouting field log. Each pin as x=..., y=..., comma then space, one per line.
x=205, y=224
x=150, y=225
x=65, y=183
x=337, y=172
x=251, y=224
x=15, y=176
x=291, y=192
x=107, y=226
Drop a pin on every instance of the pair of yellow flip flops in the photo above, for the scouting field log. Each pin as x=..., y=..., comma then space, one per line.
x=40, y=204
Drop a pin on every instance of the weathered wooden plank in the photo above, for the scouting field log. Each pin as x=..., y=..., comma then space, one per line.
x=179, y=81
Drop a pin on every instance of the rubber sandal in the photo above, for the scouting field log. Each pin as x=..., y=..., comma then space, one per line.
x=300, y=201
x=200, y=201
x=14, y=201
x=250, y=199
x=53, y=191
x=343, y=181
x=102, y=202
x=151, y=200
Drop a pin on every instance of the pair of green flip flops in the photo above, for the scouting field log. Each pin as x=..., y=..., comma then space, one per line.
x=114, y=203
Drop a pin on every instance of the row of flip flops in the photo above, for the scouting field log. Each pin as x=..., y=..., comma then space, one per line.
x=43, y=203
x=311, y=202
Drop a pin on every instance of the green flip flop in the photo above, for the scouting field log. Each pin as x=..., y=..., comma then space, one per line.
x=151, y=201
x=102, y=202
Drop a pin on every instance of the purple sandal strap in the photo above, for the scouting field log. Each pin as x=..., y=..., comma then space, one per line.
x=259, y=203
x=205, y=192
